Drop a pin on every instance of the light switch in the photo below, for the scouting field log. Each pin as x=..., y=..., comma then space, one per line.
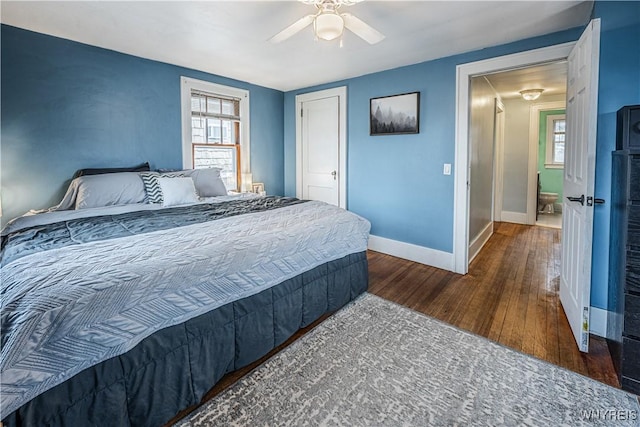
x=447, y=169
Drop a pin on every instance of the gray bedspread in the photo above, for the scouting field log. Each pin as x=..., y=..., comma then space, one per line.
x=71, y=307
x=74, y=231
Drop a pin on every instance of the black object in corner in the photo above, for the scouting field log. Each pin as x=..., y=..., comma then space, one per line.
x=623, y=323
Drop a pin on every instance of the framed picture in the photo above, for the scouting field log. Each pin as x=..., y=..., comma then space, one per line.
x=257, y=187
x=396, y=114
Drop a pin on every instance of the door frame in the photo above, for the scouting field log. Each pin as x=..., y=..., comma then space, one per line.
x=498, y=168
x=341, y=93
x=461, y=180
x=534, y=131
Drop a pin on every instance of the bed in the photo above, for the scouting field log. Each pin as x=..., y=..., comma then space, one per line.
x=121, y=310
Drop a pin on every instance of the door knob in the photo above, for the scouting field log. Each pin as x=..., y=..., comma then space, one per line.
x=577, y=199
x=334, y=174
x=594, y=201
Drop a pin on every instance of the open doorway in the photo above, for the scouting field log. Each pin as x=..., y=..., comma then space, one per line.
x=534, y=102
x=516, y=148
x=579, y=174
x=464, y=73
x=549, y=131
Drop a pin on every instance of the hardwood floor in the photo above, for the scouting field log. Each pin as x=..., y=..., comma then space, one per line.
x=510, y=295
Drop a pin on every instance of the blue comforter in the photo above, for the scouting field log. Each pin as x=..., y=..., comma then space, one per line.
x=69, y=306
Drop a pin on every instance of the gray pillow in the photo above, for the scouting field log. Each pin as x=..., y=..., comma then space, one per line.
x=208, y=182
x=123, y=188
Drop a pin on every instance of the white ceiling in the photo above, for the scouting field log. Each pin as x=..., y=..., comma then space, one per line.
x=229, y=38
x=550, y=77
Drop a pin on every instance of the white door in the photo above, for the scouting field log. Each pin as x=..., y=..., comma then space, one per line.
x=579, y=179
x=320, y=143
x=321, y=134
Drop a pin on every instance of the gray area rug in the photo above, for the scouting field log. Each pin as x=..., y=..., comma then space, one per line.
x=375, y=363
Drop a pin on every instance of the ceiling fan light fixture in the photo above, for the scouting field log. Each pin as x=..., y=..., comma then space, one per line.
x=328, y=26
x=531, y=94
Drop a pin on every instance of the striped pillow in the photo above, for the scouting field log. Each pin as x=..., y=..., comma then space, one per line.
x=152, y=186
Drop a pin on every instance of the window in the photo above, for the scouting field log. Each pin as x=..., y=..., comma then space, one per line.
x=216, y=129
x=556, y=129
x=215, y=135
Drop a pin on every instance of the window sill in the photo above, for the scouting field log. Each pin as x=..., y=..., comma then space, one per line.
x=553, y=166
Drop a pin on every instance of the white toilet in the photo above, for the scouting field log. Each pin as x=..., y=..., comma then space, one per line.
x=546, y=202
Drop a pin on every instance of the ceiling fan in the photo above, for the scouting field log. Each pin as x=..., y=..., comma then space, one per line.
x=329, y=23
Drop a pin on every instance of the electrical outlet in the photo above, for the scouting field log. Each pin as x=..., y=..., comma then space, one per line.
x=447, y=169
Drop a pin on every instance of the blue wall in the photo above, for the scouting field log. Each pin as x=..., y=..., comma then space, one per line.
x=619, y=85
x=397, y=182
x=67, y=106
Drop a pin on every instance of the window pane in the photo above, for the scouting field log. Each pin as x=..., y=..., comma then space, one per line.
x=214, y=135
x=213, y=105
x=558, y=152
x=558, y=137
x=559, y=125
x=218, y=157
x=228, y=107
x=227, y=129
x=197, y=103
x=197, y=129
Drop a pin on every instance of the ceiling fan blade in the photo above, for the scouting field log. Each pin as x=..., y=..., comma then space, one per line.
x=341, y=2
x=297, y=26
x=361, y=29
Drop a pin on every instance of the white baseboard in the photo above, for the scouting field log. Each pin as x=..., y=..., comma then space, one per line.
x=515, y=217
x=478, y=243
x=411, y=252
x=598, y=321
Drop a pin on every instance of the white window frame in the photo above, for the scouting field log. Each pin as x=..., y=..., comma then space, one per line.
x=188, y=84
x=549, y=163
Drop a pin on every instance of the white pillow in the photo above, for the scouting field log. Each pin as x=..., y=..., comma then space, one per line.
x=177, y=191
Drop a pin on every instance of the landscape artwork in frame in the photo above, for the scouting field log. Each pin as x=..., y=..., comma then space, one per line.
x=393, y=115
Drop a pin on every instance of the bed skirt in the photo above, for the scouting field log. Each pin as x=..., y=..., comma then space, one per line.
x=175, y=367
